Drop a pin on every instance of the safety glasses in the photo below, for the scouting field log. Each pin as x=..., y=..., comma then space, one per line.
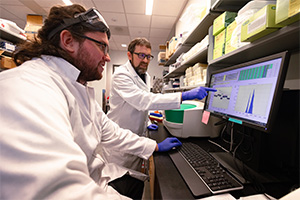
x=142, y=56
x=103, y=46
x=91, y=17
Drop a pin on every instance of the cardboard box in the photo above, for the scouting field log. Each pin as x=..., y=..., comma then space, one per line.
x=172, y=44
x=218, y=52
x=229, y=30
x=229, y=47
x=222, y=21
x=34, y=23
x=287, y=12
x=7, y=62
x=220, y=39
x=260, y=24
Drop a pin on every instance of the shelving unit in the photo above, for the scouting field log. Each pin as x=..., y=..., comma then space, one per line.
x=11, y=37
x=198, y=34
x=195, y=36
x=286, y=38
x=201, y=56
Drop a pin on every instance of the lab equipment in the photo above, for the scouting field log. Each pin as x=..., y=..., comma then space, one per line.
x=91, y=18
x=249, y=93
x=187, y=121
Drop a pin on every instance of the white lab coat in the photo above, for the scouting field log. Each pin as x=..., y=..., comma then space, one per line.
x=50, y=129
x=130, y=100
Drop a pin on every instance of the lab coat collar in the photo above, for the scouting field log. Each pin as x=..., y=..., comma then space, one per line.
x=62, y=66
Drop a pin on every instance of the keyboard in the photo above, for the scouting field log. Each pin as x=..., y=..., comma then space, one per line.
x=203, y=173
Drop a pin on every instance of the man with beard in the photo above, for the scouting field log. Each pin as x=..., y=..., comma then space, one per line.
x=52, y=128
x=131, y=99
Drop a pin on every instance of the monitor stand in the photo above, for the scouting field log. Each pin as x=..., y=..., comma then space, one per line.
x=236, y=167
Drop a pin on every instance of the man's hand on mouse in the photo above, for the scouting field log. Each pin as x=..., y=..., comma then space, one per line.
x=168, y=144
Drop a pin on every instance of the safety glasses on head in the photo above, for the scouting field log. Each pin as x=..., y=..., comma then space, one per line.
x=91, y=17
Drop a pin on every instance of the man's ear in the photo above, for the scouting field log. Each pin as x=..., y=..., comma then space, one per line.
x=129, y=55
x=67, y=42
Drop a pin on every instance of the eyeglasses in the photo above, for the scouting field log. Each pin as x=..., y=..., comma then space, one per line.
x=91, y=16
x=103, y=46
x=142, y=56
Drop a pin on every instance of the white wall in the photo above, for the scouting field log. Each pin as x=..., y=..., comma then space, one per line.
x=120, y=58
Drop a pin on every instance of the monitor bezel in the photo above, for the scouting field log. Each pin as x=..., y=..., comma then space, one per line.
x=277, y=93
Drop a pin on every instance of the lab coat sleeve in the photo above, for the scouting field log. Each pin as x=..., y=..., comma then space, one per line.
x=39, y=158
x=123, y=140
x=123, y=84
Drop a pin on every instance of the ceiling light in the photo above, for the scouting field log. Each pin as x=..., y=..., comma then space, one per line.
x=67, y=2
x=123, y=45
x=149, y=7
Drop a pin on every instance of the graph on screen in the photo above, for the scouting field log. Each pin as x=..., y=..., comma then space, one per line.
x=222, y=97
x=253, y=99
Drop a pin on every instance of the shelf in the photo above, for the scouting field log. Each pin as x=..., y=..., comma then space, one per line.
x=201, y=56
x=5, y=52
x=228, y=5
x=201, y=30
x=195, y=36
x=12, y=37
x=286, y=38
x=182, y=49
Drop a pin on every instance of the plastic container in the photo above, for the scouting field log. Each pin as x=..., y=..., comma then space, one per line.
x=176, y=115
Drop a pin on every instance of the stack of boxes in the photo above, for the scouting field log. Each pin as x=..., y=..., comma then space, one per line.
x=195, y=49
x=255, y=20
x=287, y=12
x=260, y=24
x=231, y=42
x=34, y=23
x=195, y=75
x=219, y=32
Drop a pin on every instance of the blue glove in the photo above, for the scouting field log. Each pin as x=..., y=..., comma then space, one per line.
x=168, y=144
x=152, y=127
x=197, y=93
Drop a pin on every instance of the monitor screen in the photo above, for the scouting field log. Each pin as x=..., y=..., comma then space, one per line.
x=249, y=93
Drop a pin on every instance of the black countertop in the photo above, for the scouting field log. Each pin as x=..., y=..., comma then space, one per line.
x=170, y=185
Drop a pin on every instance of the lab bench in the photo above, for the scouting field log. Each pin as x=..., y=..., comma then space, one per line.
x=169, y=184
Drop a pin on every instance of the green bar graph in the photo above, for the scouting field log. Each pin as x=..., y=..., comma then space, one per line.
x=254, y=73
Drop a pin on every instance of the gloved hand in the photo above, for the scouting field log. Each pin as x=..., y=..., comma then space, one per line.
x=197, y=93
x=152, y=127
x=168, y=144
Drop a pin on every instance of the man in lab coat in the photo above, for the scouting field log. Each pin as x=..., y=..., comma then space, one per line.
x=131, y=99
x=52, y=129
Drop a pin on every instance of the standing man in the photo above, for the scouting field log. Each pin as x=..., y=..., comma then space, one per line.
x=52, y=129
x=131, y=99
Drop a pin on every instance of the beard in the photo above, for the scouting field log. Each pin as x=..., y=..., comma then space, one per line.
x=141, y=68
x=88, y=70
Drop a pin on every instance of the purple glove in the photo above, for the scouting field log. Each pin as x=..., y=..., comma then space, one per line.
x=168, y=144
x=152, y=127
x=197, y=93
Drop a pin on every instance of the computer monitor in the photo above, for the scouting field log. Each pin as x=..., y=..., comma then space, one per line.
x=249, y=93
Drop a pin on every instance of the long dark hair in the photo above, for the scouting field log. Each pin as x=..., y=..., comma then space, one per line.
x=42, y=45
